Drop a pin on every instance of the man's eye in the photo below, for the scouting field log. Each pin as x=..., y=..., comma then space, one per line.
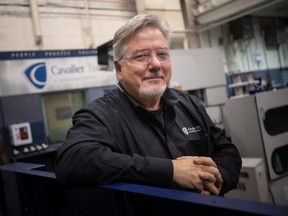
x=163, y=55
x=141, y=57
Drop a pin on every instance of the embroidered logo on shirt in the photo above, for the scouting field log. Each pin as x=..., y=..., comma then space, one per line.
x=188, y=130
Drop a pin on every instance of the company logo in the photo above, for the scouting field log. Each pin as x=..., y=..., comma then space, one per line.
x=188, y=130
x=36, y=74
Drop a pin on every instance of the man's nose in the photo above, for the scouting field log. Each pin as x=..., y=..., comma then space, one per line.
x=154, y=61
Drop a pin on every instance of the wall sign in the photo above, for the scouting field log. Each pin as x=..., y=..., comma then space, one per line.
x=44, y=71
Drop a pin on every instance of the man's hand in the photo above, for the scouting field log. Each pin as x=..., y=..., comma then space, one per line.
x=199, y=173
x=211, y=174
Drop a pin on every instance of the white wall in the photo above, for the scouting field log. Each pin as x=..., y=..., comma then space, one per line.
x=64, y=24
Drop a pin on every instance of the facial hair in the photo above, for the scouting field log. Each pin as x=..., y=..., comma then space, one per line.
x=154, y=91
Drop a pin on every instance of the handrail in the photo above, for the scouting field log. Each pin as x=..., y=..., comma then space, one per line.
x=120, y=198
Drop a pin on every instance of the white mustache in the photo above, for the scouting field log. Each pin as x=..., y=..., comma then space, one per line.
x=158, y=74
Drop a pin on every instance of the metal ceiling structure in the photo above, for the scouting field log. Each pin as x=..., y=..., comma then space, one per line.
x=200, y=15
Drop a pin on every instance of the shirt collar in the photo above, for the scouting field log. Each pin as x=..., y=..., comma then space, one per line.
x=169, y=97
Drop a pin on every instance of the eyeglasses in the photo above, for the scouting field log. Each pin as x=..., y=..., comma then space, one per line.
x=143, y=57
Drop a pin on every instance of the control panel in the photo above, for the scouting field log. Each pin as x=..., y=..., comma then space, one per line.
x=29, y=149
x=20, y=134
x=22, y=140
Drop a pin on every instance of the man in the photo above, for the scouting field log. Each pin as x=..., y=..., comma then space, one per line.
x=143, y=131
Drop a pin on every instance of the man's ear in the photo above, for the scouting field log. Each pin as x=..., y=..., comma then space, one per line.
x=118, y=69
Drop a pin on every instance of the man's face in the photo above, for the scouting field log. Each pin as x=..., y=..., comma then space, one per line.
x=145, y=81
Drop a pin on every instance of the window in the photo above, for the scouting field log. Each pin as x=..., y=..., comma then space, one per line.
x=58, y=110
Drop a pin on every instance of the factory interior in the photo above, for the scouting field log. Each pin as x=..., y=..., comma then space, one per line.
x=231, y=54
